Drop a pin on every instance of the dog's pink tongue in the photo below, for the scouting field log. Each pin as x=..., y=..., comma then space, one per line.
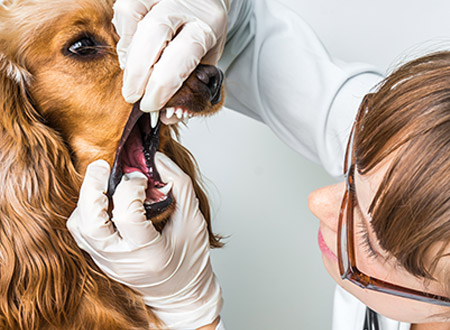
x=133, y=157
x=134, y=160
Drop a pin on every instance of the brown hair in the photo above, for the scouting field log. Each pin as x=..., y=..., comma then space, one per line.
x=410, y=113
x=46, y=280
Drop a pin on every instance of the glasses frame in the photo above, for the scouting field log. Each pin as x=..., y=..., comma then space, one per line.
x=350, y=271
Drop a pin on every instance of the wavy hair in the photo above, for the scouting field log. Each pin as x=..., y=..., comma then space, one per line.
x=46, y=280
x=410, y=113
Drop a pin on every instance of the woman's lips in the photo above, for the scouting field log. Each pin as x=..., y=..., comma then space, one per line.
x=325, y=249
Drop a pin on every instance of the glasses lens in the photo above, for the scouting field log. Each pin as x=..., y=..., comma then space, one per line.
x=346, y=239
x=343, y=247
x=353, y=247
x=342, y=238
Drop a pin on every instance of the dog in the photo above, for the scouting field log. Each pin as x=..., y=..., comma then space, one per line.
x=61, y=109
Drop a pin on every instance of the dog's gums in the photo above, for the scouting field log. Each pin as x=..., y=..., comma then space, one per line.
x=136, y=152
x=62, y=109
x=140, y=138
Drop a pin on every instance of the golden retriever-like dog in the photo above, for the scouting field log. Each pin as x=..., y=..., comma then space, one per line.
x=61, y=109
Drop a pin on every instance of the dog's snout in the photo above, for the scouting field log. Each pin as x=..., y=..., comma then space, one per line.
x=212, y=77
x=201, y=92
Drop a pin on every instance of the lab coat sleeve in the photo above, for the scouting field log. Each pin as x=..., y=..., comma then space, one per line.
x=278, y=72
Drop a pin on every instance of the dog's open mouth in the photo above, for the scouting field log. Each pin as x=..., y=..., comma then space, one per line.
x=136, y=151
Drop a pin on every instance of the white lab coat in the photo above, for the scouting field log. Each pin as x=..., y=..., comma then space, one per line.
x=279, y=73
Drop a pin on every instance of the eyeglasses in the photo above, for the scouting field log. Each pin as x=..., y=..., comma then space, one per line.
x=346, y=243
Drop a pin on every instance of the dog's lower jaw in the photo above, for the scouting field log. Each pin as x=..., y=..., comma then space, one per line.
x=153, y=211
x=159, y=221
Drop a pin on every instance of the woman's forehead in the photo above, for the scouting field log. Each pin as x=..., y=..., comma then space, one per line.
x=442, y=268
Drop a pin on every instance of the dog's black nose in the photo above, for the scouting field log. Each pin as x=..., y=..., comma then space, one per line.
x=212, y=77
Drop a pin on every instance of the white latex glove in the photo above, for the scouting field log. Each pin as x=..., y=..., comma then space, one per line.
x=172, y=270
x=163, y=41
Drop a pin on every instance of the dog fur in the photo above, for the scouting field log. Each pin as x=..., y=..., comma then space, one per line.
x=58, y=114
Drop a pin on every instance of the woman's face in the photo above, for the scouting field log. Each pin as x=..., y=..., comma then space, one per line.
x=325, y=203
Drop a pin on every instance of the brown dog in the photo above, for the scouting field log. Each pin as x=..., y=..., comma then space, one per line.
x=62, y=109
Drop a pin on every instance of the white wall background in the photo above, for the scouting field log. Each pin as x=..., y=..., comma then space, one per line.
x=270, y=269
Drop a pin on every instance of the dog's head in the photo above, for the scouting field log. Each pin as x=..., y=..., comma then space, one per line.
x=60, y=109
x=61, y=55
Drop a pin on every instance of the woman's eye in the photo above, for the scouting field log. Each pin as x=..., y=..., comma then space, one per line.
x=368, y=246
x=84, y=47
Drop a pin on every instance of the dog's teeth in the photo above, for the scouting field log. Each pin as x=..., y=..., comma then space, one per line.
x=170, y=112
x=179, y=113
x=165, y=190
x=154, y=116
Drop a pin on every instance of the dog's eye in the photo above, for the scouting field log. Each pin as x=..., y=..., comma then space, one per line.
x=84, y=47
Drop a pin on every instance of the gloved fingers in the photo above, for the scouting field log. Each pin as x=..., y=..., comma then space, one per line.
x=91, y=212
x=152, y=35
x=213, y=55
x=95, y=182
x=187, y=216
x=95, y=246
x=172, y=69
x=169, y=171
x=112, y=255
x=127, y=15
x=129, y=212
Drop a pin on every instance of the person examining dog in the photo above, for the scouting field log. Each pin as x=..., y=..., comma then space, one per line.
x=384, y=232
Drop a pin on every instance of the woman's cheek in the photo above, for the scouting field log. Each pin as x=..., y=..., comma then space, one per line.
x=331, y=267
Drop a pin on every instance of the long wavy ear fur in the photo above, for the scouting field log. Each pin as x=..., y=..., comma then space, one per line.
x=46, y=281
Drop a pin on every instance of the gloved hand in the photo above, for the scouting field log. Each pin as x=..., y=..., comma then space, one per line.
x=163, y=41
x=172, y=270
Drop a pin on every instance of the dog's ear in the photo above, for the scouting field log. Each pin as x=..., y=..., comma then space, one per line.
x=34, y=157
x=46, y=281
x=38, y=186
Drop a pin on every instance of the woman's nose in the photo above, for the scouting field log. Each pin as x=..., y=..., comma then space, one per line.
x=325, y=204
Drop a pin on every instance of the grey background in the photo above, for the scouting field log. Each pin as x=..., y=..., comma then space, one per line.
x=270, y=269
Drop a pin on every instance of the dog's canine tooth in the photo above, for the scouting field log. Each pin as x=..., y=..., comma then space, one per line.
x=165, y=190
x=154, y=116
x=179, y=113
x=170, y=112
